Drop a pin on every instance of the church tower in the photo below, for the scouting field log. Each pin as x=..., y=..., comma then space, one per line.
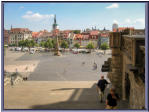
x=55, y=25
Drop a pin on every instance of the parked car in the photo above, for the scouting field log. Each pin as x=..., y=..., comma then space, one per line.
x=12, y=48
x=25, y=49
x=18, y=49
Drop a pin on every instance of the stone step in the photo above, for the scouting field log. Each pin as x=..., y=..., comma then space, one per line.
x=53, y=95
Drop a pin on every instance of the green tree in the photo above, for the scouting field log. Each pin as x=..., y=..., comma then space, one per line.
x=104, y=46
x=49, y=43
x=64, y=45
x=77, y=45
x=54, y=43
x=76, y=31
x=42, y=44
x=90, y=46
x=22, y=44
x=29, y=43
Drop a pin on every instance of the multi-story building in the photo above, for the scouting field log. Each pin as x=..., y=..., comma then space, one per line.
x=18, y=34
x=87, y=37
x=6, y=37
x=103, y=37
x=41, y=36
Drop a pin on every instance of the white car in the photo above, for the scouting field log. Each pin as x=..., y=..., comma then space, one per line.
x=18, y=48
x=25, y=49
x=32, y=52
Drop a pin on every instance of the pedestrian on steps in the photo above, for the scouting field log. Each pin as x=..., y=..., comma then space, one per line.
x=112, y=98
x=101, y=85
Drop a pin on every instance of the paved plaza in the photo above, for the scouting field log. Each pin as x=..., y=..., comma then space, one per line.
x=68, y=67
x=55, y=82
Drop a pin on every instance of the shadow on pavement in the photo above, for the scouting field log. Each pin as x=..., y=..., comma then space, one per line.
x=82, y=98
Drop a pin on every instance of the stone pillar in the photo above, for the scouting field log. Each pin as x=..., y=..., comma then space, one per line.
x=115, y=75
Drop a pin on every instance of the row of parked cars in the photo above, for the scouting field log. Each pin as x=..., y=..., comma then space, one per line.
x=40, y=49
x=25, y=49
x=76, y=51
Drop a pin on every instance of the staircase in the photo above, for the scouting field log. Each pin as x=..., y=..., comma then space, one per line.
x=53, y=95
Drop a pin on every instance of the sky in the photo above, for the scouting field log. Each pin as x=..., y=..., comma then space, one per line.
x=40, y=16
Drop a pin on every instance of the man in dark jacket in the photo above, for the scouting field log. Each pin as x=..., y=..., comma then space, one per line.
x=112, y=98
x=101, y=85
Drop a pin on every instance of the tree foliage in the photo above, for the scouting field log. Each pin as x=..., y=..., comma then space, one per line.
x=104, y=46
x=77, y=45
x=90, y=46
x=76, y=31
x=64, y=44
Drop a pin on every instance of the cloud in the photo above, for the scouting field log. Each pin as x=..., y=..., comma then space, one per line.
x=140, y=20
x=115, y=21
x=127, y=20
x=114, y=5
x=29, y=12
x=21, y=7
x=36, y=16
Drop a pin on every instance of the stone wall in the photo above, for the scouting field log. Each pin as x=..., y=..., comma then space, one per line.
x=126, y=67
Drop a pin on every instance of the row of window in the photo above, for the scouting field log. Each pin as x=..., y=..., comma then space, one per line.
x=13, y=39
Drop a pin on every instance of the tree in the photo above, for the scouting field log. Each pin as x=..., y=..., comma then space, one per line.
x=42, y=44
x=77, y=45
x=104, y=46
x=54, y=43
x=64, y=45
x=12, y=45
x=90, y=46
x=76, y=31
x=29, y=43
x=21, y=44
x=49, y=43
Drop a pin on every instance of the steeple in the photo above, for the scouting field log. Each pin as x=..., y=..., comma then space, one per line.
x=55, y=25
x=11, y=27
x=55, y=19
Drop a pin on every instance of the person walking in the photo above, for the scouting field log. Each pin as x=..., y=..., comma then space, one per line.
x=112, y=98
x=101, y=85
x=94, y=66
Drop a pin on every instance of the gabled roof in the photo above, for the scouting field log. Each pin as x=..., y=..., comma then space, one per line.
x=19, y=30
x=96, y=32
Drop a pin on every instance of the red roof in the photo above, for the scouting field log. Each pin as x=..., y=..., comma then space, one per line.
x=122, y=29
x=95, y=33
x=78, y=36
x=85, y=37
x=35, y=34
x=21, y=30
x=104, y=34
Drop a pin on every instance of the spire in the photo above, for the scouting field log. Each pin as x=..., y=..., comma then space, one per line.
x=11, y=26
x=55, y=19
x=104, y=28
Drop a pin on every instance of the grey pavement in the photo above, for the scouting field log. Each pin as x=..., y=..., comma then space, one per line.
x=67, y=67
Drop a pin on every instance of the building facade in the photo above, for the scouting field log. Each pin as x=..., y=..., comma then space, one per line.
x=18, y=34
x=6, y=37
x=126, y=68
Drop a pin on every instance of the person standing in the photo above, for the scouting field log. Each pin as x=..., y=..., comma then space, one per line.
x=112, y=98
x=101, y=85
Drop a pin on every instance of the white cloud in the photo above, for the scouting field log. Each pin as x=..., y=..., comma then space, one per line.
x=21, y=7
x=115, y=21
x=36, y=16
x=127, y=21
x=114, y=5
x=140, y=20
x=29, y=12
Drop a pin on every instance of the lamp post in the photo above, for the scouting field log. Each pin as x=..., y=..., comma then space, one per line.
x=57, y=52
